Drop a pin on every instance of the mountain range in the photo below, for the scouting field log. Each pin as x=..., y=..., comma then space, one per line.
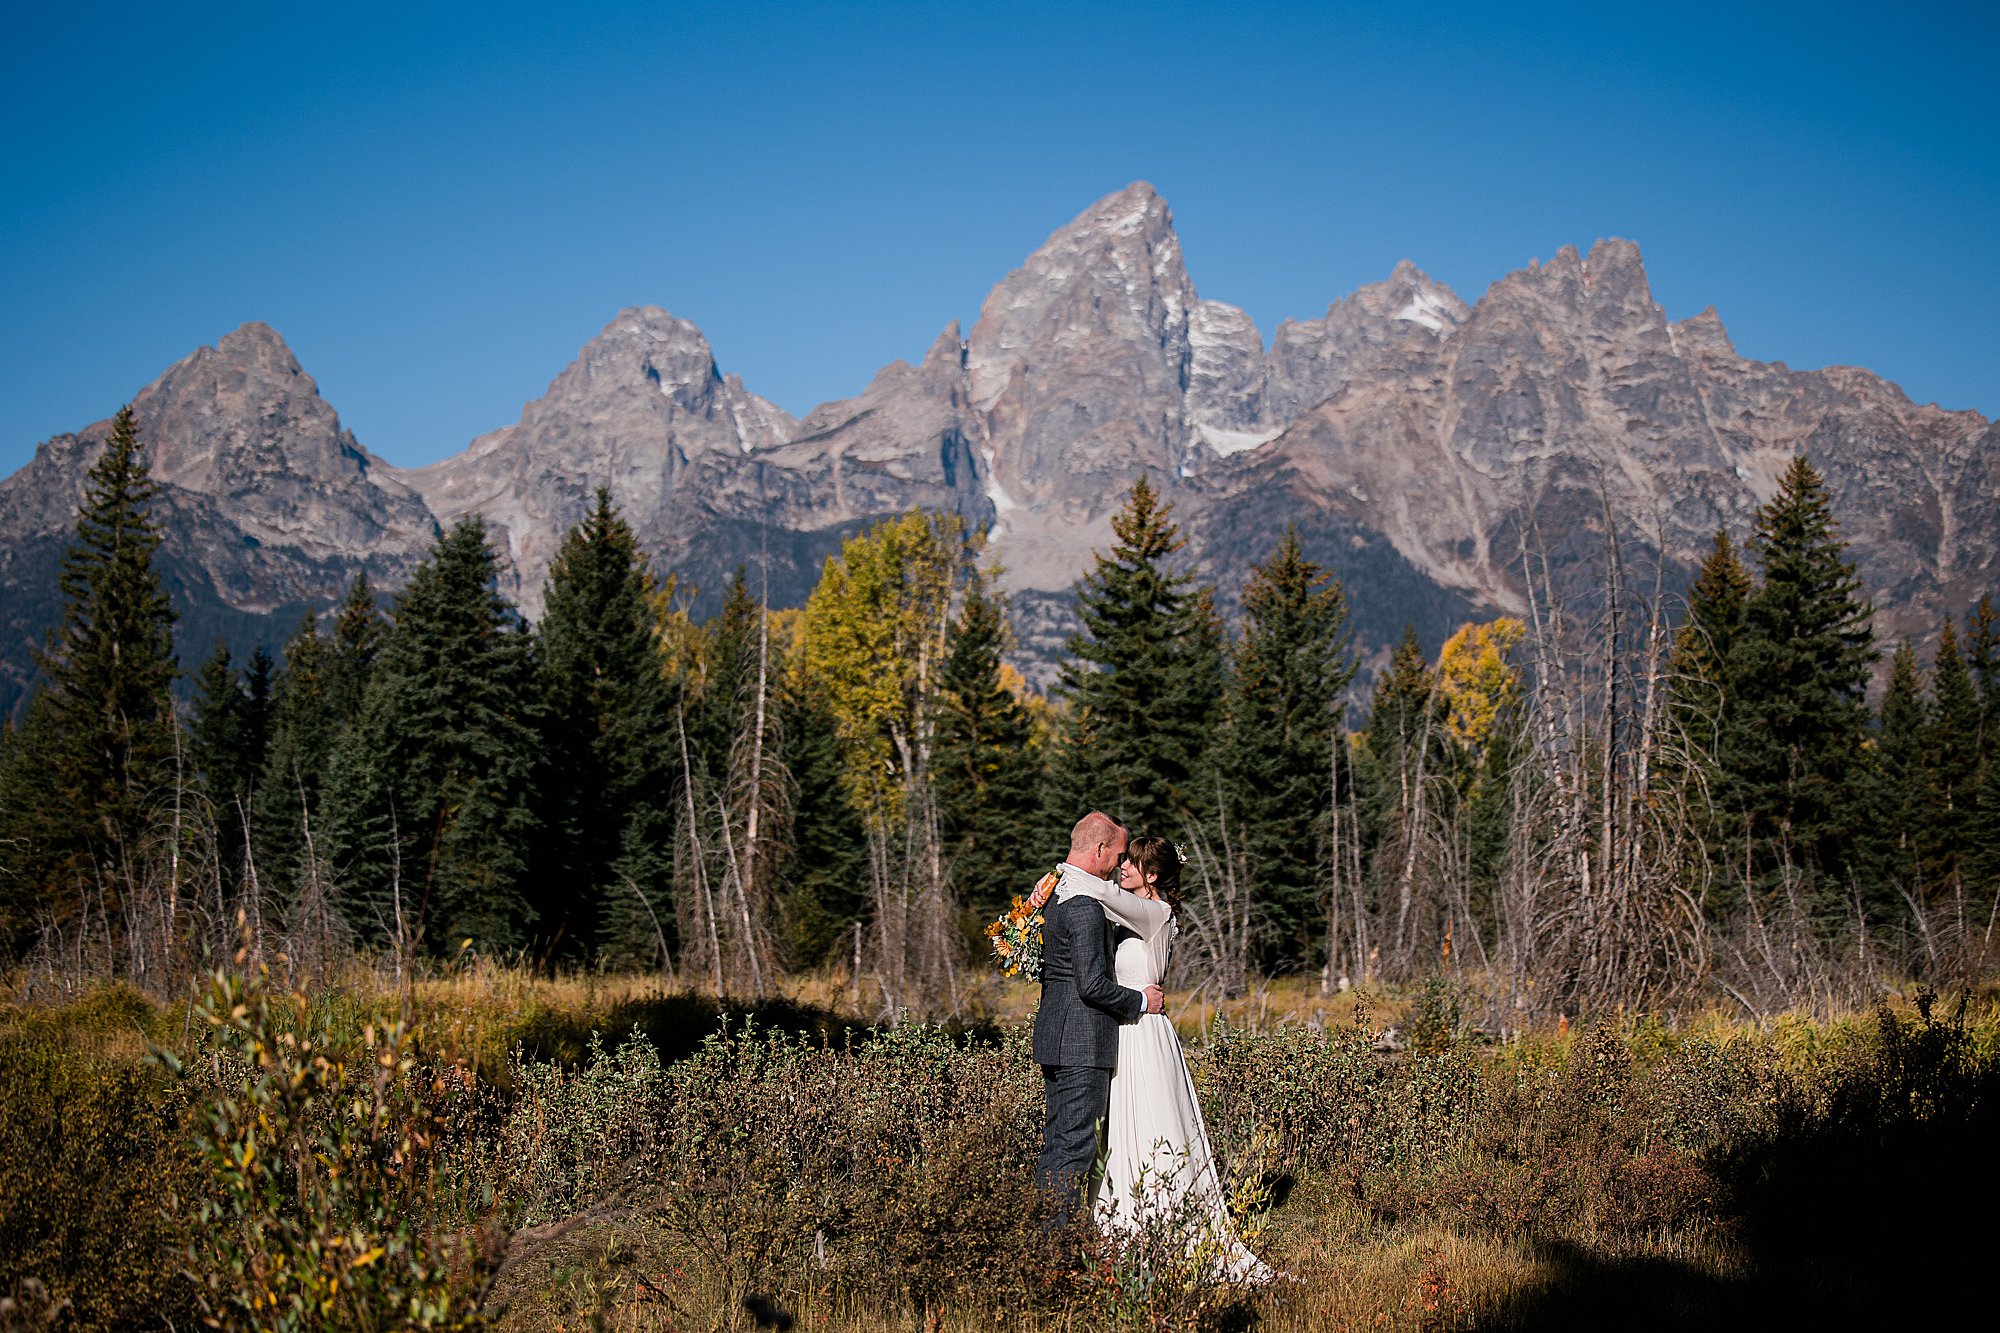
x=1418, y=443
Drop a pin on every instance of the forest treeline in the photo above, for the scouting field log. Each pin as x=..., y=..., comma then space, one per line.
x=1624, y=797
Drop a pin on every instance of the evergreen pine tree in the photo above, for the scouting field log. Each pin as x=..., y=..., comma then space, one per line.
x=1983, y=853
x=1284, y=714
x=430, y=801
x=215, y=732
x=98, y=746
x=1144, y=681
x=606, y=888
x=219, y=736
x=1489, y=814
x=1954, y=763
x=1793, y=751
x=1901, y=807
x=359, y=632
x=1403, y=738
x=1700, y=693
x=1982, y=658
x=729, y=674
x=826, y=882
x=985, y=763
x=1982, y=655
x=1700, y=662
x=303, y=729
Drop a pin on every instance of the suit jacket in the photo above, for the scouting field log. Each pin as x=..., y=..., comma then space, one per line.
x=1082, y=1004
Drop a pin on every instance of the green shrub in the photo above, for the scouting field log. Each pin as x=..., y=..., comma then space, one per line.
x=90, y=1152
x=317, y=1208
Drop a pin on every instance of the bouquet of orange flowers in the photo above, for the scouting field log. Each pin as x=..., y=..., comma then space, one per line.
x=1017, y=936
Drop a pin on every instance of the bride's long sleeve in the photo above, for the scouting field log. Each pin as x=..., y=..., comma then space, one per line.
x=1145, y=917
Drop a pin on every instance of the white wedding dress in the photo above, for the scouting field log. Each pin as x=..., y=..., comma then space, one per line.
x=1159, y=1164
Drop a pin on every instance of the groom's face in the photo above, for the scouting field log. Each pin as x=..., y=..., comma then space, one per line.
x=1111, y=855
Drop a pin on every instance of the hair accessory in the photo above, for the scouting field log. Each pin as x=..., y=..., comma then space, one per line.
x=1181, y=854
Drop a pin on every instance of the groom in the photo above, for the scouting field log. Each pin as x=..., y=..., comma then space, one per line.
x=1076, y=1029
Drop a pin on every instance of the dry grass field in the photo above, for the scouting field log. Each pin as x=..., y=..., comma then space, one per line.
x=490, y=1147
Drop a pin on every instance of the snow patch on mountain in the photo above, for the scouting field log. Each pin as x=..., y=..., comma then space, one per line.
x=1426, y=309
x=1227, y=442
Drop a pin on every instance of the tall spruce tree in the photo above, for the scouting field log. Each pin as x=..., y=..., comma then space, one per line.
x=1291, y=671
x=1901, y=783
x=1982, y=656
x=305, y=724
x=1954, y=762
x=1983, y=854
x=227, y=737
x=215, y=731
x=1793, y=750
x=1403, y=744
x=606, y=889
x=1982, y=659
x=1696, y=720
x=1699, y=665
x=826, y=880
x=1144, y=682
x=359, y=631
x=729, y=673
x=97, y=750
x=985, y=764
x=430, y=801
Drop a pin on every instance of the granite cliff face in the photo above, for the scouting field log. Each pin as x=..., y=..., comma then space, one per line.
x=709, y=475
x=1566, y=394
x=1418, y=443
x=267, y=503
x=1094, y=362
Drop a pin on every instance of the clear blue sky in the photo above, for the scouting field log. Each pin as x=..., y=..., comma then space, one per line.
x=436, y=205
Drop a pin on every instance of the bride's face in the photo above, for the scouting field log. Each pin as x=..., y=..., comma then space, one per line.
x=1134, y=880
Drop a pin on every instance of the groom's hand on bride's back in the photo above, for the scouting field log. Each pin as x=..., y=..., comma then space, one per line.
x=1156, y=1000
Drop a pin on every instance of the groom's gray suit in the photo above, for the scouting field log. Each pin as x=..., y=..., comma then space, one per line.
x=1076, y=1041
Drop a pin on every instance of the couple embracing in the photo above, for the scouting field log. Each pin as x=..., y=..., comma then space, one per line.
x=1111, y=1062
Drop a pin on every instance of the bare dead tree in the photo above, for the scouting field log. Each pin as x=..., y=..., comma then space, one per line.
x=1596, y=907
x=1214, y=950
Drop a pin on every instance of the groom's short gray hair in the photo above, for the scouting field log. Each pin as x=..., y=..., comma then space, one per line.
x=1092, y=829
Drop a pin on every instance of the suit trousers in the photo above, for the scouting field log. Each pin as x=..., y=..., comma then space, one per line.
x=1078, y=1100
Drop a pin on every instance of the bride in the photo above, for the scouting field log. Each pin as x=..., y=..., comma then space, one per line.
x=1159, y=1164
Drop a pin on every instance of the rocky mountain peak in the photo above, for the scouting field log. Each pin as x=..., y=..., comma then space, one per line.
x=643, y=401
x=1606, y=288
x=643, y=348
x=948, y=348
x=255, y=338
x=1704, y=335
x=266, y=500
x=202, y=417
x=1383, y=329
x=1080, y=367
x=1114, y=273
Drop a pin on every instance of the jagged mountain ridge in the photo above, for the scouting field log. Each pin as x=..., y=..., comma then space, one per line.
x=268, y=505
x=1416, y=440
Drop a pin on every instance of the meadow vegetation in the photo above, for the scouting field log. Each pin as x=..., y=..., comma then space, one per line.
x=493, y=1149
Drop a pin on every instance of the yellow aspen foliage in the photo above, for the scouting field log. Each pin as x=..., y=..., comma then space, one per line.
x=1477, y=679
x=874, y=635
x=1041, y=711
x=679, y=640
